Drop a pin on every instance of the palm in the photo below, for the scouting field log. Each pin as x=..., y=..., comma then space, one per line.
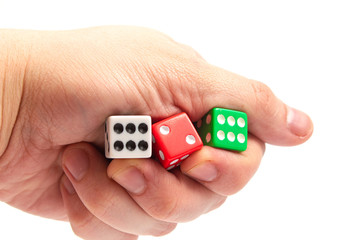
x=69, y=103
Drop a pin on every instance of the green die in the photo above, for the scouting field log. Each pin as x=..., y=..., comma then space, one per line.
x=224, y=128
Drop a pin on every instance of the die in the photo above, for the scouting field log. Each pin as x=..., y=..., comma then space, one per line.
x=128, y=136
x=174, y=139
x=224, y=128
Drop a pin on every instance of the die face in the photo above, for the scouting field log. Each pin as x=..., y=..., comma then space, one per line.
x=175, y=139
x=224, y=128
x=128, y=137
x=166, y=162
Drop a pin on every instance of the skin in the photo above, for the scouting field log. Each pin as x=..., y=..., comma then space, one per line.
x=57, y=88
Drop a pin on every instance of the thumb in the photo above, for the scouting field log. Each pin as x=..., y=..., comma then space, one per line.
x=268, y=117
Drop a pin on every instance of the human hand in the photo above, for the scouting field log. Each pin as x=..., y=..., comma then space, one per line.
x=73, y=80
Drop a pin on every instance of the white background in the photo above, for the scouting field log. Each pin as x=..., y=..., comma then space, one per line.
x=308, y=52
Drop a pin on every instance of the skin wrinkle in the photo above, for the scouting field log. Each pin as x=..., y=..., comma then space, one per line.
x=119, y=78
x=166, y=211
x=202, y=98
x=182, y=179
x=80, y=226
x=213, y=89
x=128, y=76
x=27, y=176
x=68, y=98
x=46, y=139
x=195, y=96
x=28, y=153
x=181, y=70
x=2, y=114
x=22, y=84
x=263, y=97
x=178, y=91
x=2, y=97
x=74, y=109
x=27, y=189
x=138, y=82
x=38, y=139
x=37, y=192
x=40, y=204
x=177, y=94
x=5, y=165
x=160, y=82
x=3, y=145
x=28, y=114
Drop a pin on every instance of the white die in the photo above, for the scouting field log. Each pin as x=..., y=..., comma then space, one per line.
x=128, y=136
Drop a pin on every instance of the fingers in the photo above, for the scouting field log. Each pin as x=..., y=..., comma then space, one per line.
x=224, y=172
x=86, y=169
x=83, y=223
x=268, y=117
x=169, y=196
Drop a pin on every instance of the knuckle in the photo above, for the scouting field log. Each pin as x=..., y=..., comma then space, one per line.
x=82, y=226
x=103, y=211
x=218, y=203
x=165, y=209
x=130, y=237
x=100, y=205
x=185, y=67
x=261, y=92
x=125, y=236
x=89, y=227
x=239, y=181
x=191, y=52
x=166, y=230
x=264, y=98
x=236, y=186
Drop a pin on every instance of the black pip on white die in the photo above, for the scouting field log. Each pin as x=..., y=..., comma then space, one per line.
x=128, y=136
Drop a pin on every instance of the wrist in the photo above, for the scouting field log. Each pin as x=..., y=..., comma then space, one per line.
x=13, y=59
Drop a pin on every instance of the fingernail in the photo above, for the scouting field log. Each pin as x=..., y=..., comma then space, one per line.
x=76, y=161
x=131, y=179
x=204, y=172
x=68, y=186
x=298, y=122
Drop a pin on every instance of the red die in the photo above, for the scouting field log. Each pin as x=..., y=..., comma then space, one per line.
x=174, y=139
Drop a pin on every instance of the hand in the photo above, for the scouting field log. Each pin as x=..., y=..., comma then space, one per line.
x=73, y=80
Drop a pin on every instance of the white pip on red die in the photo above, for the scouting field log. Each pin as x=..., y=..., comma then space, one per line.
x=174, y=139
x=128, y=136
